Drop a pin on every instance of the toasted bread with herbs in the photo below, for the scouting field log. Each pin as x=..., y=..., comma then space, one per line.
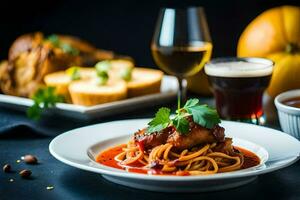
x=140, y=81
x=144, y=81
x=116, y=68
x=61, y=80
x=120, y=64
x=90, y=92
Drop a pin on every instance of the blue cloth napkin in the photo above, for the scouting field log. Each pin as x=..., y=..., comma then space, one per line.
x=18, y=122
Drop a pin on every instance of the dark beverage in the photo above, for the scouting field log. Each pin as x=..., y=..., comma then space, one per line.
x=238, y=85
x=182, y=61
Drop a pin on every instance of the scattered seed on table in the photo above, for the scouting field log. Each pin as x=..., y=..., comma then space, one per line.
x=50, y=187
x=29, y=159
x=6, y=168
x=18, y=161
x=11, y=180
x=25, y=173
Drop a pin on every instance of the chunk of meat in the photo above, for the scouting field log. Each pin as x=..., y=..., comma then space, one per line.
x=154, y=139
x=227, y=147
x=197, y=135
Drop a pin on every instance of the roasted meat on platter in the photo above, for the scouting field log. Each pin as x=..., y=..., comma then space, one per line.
x=32, y=56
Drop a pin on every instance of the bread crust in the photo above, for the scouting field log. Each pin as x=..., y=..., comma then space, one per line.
x=88, y=93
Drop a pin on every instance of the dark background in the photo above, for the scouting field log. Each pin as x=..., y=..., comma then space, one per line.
x=125, y=26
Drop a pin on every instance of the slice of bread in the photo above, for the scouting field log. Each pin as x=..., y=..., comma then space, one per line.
x=89, y=93
x=144, y=81
x=121, y=64
x=61, y=80
x=117, y=66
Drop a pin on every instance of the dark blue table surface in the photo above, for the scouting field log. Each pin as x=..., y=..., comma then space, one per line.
x=19, y=137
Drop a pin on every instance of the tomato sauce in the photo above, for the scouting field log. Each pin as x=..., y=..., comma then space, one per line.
x=107, y=158
x=250, y=159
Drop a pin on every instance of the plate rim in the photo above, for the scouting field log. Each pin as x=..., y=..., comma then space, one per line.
x=89, y=166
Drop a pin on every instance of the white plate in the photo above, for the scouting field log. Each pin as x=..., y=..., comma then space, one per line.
x=77, y=148
x=169, y=89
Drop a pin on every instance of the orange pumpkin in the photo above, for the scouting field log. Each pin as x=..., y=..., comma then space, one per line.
x=275, y=34
x=199, y=84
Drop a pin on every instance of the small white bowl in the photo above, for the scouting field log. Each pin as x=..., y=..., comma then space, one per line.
x=289, y=117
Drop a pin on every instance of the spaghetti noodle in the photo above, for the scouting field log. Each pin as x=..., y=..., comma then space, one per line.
x=199, y=160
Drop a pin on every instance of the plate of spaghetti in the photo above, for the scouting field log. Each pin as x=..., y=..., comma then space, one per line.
x=189, y=151
x=167, y=158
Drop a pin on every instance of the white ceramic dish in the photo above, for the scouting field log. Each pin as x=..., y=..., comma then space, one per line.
x=289, y=117
x=78, y=147
x=169, y=89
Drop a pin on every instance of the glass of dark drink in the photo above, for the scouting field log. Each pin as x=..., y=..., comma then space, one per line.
x=181, y=43
x=238, y=85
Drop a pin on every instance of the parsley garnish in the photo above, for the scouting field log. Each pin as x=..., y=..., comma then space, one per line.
x=43, y=99
x=126, y=73
x=181, y=123
x=54, y=40
x=65, y=47
x=102, y=69
x=202, y=115
x=103, y=65
x=102, y=77
x=74, y=73
x=160, y=121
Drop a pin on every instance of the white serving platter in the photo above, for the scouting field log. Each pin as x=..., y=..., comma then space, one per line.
x=169, y=88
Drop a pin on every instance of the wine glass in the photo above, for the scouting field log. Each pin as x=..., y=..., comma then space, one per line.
x=181, y=44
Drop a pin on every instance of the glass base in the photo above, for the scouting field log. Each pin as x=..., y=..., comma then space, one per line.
x=258, y=121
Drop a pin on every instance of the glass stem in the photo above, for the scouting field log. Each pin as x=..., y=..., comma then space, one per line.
x=181, y=95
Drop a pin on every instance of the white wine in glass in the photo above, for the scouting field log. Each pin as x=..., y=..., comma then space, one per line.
x=181, y=44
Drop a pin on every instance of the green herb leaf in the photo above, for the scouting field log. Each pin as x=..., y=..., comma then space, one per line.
x=65, y=47
x=34, y=112
x=126, y=74
x=103, y=66
x=102, y=69
x=202, y=114
x=74, y=73
x=157, y=128
x=102, y=77
x=191, y=102
x=160, y=121
x=181, y=124
x=54, y=40
x=43, y=99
